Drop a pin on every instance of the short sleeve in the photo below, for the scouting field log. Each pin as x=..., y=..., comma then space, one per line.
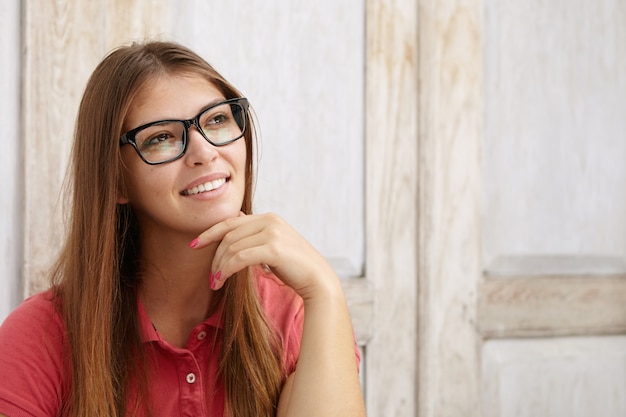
x=31, y=359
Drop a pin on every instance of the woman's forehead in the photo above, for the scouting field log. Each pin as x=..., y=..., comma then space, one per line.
x=177, y=96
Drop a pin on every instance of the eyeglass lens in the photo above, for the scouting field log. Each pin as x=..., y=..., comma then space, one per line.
x=163, y=141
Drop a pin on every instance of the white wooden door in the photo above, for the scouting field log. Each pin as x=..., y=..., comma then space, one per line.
x=522, y=208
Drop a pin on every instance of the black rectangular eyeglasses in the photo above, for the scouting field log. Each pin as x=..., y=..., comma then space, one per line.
x=166, y=140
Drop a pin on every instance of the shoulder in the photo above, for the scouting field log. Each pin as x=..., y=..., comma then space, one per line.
x=34, y=321
x=41, y=306
x=32, y=341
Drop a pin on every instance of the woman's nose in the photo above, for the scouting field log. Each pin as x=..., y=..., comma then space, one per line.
x=199, y=150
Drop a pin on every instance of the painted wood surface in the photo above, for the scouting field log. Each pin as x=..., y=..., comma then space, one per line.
x=391, y=127
x=555, y=377
x=10, y=158
x=450, y=179
x=555, y=131
x=552, y=306
x=554, y=209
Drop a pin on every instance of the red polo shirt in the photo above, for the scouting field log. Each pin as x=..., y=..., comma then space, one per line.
x=32, y=345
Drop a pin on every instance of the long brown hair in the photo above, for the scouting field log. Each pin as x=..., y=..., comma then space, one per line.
x=96, y=274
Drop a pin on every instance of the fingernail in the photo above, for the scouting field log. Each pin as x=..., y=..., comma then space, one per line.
x=193, y=243
x=215, y=277
x=211, y=280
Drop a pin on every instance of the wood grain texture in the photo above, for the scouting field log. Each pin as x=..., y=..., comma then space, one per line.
x=10, y=158
x=450, y=115
x=552, y=305
x=391, y=215
x=60, y=50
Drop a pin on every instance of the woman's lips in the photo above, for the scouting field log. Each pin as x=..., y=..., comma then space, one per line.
x=205, y=187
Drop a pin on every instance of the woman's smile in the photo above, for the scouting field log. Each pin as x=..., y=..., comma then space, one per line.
x=205, y=187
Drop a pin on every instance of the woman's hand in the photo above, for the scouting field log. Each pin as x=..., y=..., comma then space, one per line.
x=267, y=239
x=325, y=382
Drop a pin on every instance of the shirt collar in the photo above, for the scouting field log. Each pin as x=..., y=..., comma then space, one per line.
x=149, y=332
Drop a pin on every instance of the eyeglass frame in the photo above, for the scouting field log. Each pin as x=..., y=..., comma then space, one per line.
x=128, y=138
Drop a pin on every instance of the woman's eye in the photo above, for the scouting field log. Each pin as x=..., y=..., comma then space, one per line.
x=156, y=140
x=216, y=120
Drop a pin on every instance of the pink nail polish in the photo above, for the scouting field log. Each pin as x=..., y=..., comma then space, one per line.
x=193, y=243
x=214, y=277
x=212, y=280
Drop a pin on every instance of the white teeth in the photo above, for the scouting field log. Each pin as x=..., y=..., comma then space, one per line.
x=207, y=186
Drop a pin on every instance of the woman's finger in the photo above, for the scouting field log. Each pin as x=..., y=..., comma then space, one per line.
x=217, y=232
x=230, y=255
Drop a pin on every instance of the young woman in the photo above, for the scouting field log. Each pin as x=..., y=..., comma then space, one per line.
x=170, y=297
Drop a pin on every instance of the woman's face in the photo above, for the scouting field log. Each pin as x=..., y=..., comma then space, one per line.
x=167, y=199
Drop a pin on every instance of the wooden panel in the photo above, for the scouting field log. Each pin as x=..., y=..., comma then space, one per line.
x=451, y=113
x=55, y=69
x=555, y=148
x=560, y=295
x=63, y=42
x=391, y=216
x=536, y=306
x=556, y=377
x=126, y=21
x=10, y=166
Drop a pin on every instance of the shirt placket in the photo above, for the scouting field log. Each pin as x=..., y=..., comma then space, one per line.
x=192, y=390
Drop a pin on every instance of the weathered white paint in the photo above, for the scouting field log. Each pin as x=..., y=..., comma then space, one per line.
x=522, y=174
x=450, y=115
x=555, y=134
x=552, y=306
x=10, y=160
x=554, y=219
x=391, y=129
x=558, y=377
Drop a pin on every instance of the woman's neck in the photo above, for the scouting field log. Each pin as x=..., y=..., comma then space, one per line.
x=175, y=289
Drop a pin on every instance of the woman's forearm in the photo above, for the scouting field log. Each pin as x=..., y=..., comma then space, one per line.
x=326, y=381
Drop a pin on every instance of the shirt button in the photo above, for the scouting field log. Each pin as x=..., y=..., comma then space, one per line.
x=201, y=335
x=191, y=378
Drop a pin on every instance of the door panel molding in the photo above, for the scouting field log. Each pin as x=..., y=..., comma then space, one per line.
x=552, y=306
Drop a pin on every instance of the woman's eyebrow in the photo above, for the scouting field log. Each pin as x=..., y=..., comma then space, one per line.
x=212, y=103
